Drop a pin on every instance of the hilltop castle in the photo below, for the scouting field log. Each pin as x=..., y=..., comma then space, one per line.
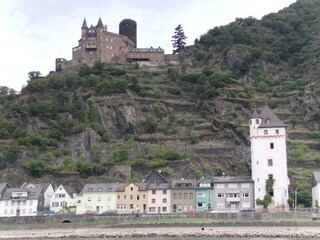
x=96, y=43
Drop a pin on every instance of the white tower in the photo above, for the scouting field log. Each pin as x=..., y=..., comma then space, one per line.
x=269, y=157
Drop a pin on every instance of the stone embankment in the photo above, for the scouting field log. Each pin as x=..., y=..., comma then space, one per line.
x=249, y=232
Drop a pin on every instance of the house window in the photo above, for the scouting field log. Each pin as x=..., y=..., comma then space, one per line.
x=153, y=200
x=250, y=122
x=185, y=195
x=257, y=121
x=271, y=146
x=270, y=162
x=89, y=199
x=164, y=209
x=109, y=199
x=180, y=196
x=164, y=200
x=191, y=195
x=152, y=209
x=179, y=207
x=201, y=205
x=99, y=189
x=277, y=131
x=153, y=191
x=138, y=197
x=270, y=176
x=99, y=199
x=268, y=121
x=220, y=195
x=118, y=197
x=245, y=195
x=131, y=197
x=164, y=191
x=90, y=189
x=131, y=206
x=131, y=189
x=174, y=196
x=265, y=132
x=143, y=196
x=124, y=197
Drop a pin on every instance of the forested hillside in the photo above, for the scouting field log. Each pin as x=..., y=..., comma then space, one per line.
x=112, y=122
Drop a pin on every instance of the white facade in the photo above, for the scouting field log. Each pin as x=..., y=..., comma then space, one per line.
x=316, y=190
x=269, y=157
x=62, y=199
x=20, y=202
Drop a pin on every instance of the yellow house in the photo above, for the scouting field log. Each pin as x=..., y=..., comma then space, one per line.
x=132, y=198
x=97, y=198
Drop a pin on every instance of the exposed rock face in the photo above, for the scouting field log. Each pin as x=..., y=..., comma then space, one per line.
x=82, y=143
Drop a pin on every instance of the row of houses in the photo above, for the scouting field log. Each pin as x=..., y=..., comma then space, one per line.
x=154, y=195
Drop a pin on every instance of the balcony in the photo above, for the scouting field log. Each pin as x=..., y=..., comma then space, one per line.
x=19, y=198
x=233, y=199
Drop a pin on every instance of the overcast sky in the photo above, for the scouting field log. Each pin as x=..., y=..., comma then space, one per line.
x=35, y=32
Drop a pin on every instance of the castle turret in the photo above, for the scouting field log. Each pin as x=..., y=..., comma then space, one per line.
x=128, y=28
x=84, y=24
x=100, y=24
x=269, y=157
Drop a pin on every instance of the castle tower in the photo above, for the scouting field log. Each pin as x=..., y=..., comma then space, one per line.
x=128, y=27
x=269, y=157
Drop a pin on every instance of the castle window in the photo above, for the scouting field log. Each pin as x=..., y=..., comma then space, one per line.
x=250, y=121
x=270, y=162
x=271, y=146
x=265, y=132
x=277, y=131
x=257, y=121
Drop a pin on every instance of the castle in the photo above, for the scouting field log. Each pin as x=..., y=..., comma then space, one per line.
x=97, y=43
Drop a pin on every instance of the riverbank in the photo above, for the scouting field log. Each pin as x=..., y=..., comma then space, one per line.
x=161, y=231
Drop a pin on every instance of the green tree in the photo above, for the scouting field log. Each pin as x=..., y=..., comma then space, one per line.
x=36, y=168
x=178, y=39
x=33, y=75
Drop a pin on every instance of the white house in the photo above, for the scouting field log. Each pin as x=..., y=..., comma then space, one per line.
x=17, y=202
x=63, y=197
x=47, y=189
x=315, y=189
x=269, y=157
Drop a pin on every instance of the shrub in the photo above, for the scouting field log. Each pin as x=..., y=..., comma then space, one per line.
x=150, y=125
x=119, y=155
x=36, y=168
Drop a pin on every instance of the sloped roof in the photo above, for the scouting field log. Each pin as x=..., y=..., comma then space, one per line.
x=155, y=177
x=99, y=187
x=269, y=118
x=100, y=24
x=315, y=178
x=121, y=186
x=70, y=190
x=157, y=186
x=33, y=193
x=44, y=186
x=185, y=183
x=255, y=114
x=230, y=179
x=84, y=24
x=3, y=186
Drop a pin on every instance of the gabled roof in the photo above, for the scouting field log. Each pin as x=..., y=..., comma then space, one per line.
x=231, y=179
x=269, y=118
x=121, y=186
x=315, y=178
x=155, y=177
x=100, y=24
x=44, y=186
x=84, y=24
x=3, y=186
x=70, y=190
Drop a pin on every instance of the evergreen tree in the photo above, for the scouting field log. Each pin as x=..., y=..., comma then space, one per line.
x=178, y=39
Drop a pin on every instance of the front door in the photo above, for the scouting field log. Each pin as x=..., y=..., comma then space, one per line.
x=97, y=209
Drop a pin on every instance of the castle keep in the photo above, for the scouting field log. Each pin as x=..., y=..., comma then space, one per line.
x=97, y=43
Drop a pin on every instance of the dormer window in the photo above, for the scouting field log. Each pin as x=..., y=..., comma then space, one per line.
x=268, y=121
x=90, y=189
x=99, y=189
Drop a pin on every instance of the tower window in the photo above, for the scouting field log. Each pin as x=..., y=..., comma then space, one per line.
x=270, y=162
x=257, y=121
x=250, y=122
x=271, y=146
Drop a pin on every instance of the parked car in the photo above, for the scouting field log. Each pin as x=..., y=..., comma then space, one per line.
x=191, y=211
x=110, y=213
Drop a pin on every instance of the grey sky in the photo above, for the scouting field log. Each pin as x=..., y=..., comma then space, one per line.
x=35, y=32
